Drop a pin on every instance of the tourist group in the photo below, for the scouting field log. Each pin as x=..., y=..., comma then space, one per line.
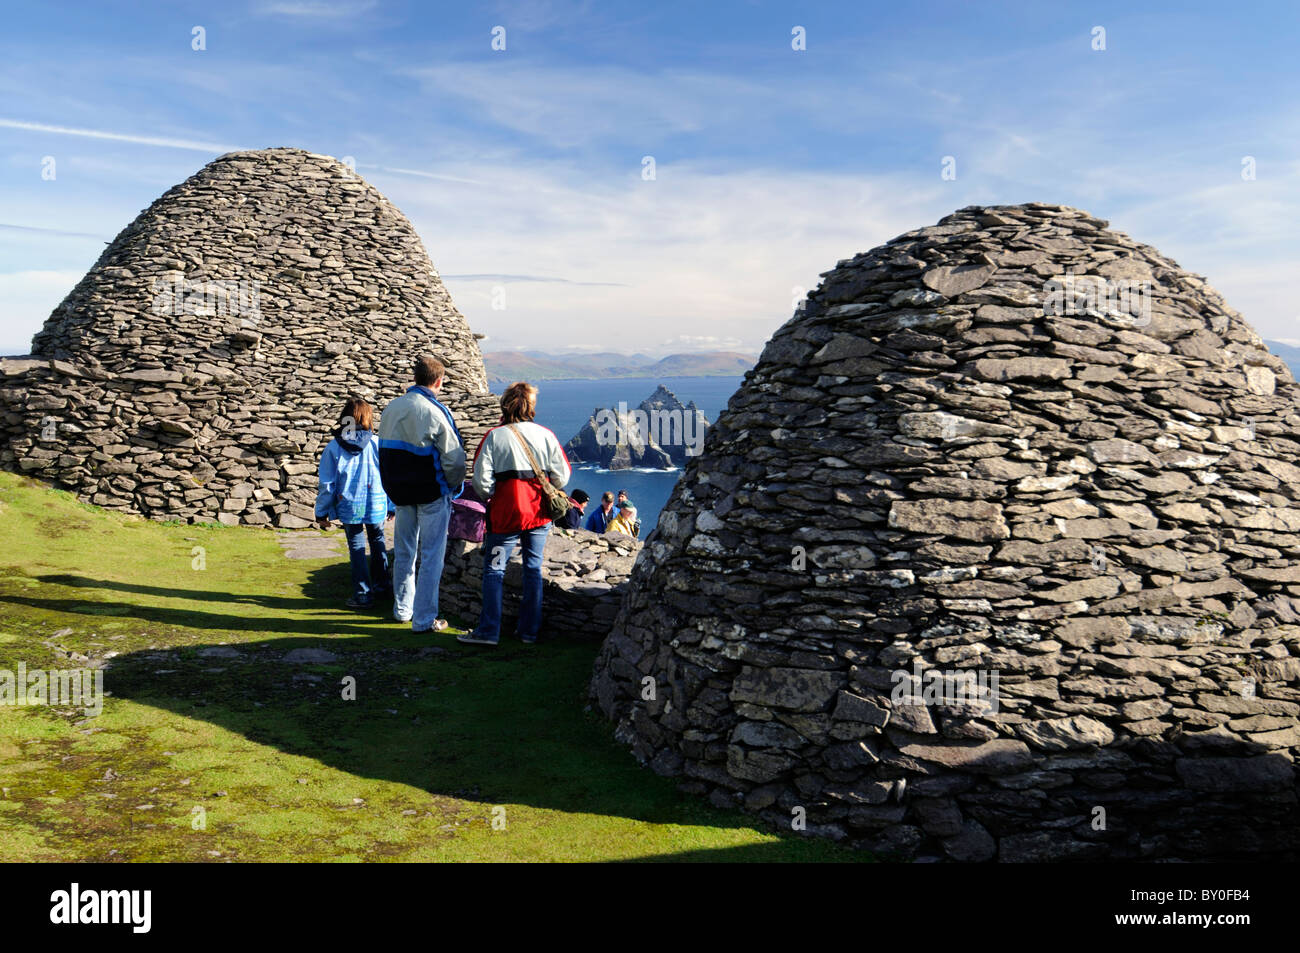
x=413, y=471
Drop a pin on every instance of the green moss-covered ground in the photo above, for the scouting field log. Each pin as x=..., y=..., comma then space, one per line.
x=210, y=747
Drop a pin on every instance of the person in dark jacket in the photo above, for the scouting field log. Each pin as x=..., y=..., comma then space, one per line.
x=577, y=506
x=505, y=476
x=422, y=463
x=600, y=517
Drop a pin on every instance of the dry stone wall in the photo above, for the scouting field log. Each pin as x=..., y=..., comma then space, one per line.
x=992, y=556
x=197, y=370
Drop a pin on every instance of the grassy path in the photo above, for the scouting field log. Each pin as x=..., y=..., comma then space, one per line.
x=214, y=746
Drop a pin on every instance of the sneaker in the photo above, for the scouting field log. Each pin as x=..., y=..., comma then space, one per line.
x=355, y=603
x=438, y=626
x=528, y=639
x=473, y=638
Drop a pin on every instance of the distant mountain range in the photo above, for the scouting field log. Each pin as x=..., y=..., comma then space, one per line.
x=512, y=366
x=509, y=366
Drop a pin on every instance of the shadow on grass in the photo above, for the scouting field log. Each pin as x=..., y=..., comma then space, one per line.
x=324, y=583
x=496, y=726
x=312, y=612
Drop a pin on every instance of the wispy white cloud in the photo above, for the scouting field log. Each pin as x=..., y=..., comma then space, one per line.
x=702, y=342
x=9, y=227
x=507, y=279
x=315, y=9
x=700, y=252
x=535, y=15
x=421, y=173
x=190, y=144
x=568, y=106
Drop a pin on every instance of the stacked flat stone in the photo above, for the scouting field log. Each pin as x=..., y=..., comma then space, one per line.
x=584, y=576
x=934, y=467
x=215, y=404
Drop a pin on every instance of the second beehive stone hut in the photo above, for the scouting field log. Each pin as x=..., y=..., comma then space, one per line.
x=992, y=555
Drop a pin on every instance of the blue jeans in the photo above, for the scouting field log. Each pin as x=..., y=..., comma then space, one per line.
x=497, y=550
x=369, y=579
x=420, y=528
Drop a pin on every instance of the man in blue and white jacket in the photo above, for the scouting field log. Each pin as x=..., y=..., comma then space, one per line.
x=422, y=462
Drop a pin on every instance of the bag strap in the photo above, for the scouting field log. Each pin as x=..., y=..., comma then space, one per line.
x=541, y=474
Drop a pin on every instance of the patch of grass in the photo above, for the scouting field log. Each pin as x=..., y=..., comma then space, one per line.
x=212, y=747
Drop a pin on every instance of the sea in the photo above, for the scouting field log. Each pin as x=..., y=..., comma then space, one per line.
x=565, y=406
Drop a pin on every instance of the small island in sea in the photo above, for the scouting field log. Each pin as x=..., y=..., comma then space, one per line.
x=660, y=433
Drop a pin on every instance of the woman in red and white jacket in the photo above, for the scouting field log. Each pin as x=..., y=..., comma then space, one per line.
x=516, y=509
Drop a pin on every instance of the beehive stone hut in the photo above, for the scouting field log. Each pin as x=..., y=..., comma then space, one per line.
x=992, y=555
x=197, y=369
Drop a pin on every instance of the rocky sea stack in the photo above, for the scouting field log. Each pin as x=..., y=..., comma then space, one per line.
x=197, y=368
x=992, y=556
x=660, y=433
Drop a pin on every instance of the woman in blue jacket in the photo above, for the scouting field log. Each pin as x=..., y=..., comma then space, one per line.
x=351, y=492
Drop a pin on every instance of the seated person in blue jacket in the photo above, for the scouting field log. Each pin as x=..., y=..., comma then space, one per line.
x=600, y=517
x=350, y=491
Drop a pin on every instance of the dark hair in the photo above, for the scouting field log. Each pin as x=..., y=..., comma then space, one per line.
x=581, y=496
x=359, y=412
x=428, y=369
x=518, y=403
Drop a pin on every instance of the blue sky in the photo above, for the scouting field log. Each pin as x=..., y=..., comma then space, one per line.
x=522, y=168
